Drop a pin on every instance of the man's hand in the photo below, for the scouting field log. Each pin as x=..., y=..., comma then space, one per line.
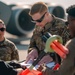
x=44, y=69
x=46, y=59
x=32, y=55
x=41, y=67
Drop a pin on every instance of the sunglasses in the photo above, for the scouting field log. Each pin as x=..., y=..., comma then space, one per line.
x=2, y=29
x=39, y=20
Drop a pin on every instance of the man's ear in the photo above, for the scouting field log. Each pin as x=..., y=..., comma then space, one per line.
x=47, y=13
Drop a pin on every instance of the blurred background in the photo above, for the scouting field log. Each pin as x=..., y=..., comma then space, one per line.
x=18, y=22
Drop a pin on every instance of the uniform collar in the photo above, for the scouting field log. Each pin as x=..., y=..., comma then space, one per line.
x=3, y=42
x=50, y=24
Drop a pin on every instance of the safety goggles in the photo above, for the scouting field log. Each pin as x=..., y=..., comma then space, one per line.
x=39, y=20
x=2, y=29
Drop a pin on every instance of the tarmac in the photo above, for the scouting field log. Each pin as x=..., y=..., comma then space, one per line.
x=21, y=43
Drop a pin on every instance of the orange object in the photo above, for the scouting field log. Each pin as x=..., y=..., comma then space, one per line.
x=61, y=47
x=57, y=50
x=25, y=72
x=34, y=72
x=30, y=72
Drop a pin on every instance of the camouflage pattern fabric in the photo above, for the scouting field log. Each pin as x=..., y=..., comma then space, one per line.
x=56, y=27
x=8, y=51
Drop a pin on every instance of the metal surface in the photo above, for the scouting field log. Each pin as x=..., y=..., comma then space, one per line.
x=5, y=12
x=20, y=21
x=57, y=10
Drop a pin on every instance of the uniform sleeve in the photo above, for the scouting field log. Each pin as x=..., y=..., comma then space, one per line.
x=67, y=65
x=5, y=69
x=32, y=44
x=63, y=31
x=15, y=54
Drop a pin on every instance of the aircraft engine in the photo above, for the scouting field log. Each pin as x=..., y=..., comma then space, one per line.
x=57, y=10
x=20, y=21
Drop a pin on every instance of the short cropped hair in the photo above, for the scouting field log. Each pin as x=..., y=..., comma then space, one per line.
x=71, y=10
x=38, y=7
x=1, y=21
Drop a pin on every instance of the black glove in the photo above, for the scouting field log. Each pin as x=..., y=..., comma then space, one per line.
x=14, y=64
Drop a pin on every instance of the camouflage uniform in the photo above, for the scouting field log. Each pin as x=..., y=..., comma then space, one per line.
x=8, y=51
x=56, y=27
